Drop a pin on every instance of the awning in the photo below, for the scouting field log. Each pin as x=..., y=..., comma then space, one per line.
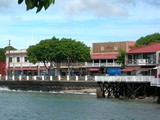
x=128, y=69
x=93, y=69
x=132, y=69
x=27, y=68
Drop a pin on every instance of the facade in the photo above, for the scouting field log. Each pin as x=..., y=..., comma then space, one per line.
x=18, y=64
x=2, y=68
x=143, y=60
x=103, y=57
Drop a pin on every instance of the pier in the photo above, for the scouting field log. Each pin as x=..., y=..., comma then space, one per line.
x=127, y=86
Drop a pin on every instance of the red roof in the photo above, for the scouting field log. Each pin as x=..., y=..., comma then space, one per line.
x=150, y=48
x=103, y=55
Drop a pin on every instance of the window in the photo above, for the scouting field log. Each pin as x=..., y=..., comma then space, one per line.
x=102, y=48
x=18, y=59
x=110, y=60
x=25, y=59
x=10, y=59
x=103, y=60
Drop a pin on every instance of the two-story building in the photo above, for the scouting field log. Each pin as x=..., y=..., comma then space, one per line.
x=103, y=57
x=18, y=64
x=143, y=60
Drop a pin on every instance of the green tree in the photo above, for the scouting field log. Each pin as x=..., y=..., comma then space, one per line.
x=38, y=4
x=121, y=58
x=2, y=54
x=148, y=39
x=3, y=51
x=74, y=51
x=52, y=52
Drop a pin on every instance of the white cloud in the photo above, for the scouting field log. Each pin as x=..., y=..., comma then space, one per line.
x=96, y=7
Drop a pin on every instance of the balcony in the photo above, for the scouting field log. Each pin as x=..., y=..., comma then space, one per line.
x=103, y=64
x=140, y=62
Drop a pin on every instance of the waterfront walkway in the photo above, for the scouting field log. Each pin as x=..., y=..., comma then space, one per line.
x=127, y=79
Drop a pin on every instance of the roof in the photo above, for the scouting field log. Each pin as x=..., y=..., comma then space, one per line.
x=150, y=48
x=103, y=55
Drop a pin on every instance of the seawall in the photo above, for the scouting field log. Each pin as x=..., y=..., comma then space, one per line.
x=48, y=85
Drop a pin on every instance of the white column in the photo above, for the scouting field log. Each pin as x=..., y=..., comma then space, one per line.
x=67, y=77
x=86, y=78
x=42, y=78
x=76, y=78
x=95, y=78
x=13, y=78
x=6, y=77
x=20, y=78
x=27, y=77
x=51, y=78
x=35, y=77
x=59, y=77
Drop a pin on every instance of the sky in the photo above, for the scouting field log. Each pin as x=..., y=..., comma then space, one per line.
x=88, y=21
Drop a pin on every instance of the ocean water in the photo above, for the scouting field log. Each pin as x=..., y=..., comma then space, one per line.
x=19, y=105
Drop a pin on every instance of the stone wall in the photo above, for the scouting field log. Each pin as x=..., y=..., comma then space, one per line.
x=48, y=85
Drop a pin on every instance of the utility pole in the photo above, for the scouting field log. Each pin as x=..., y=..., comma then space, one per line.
x=9, y=46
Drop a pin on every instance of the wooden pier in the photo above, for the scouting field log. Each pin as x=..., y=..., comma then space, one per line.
x=127, y=86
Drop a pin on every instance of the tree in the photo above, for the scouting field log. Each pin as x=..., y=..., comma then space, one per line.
x=74, y=51
x=39, y=4
x=2, y=54
x=121, y=58
x=43, y=52
x=148, y=39
x=3, y=51
x=52, y=52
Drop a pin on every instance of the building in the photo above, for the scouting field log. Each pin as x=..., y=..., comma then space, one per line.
x=103, y=57
x=2, y=68
x=18, y=64
x=143, y=60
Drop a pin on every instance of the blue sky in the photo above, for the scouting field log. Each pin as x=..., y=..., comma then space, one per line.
x=88, y=21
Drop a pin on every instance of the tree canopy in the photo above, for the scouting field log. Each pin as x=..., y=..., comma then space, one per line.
x=121, y=58
x=3, y=51
x=52, y=52
x=38, y=4
x=148, y=39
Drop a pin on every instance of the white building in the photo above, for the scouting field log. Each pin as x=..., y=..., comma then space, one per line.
x=17, y=64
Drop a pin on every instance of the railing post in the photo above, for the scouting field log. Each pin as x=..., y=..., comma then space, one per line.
x=95, y=77
x=20, y=78
x=51, y=78
x=6, y=77
x=76, y=78
x=42, y=78
x=27, y=77
x=67, y=77
x=59, y=77
x=86, y=78
x=13, y=78
x=35, y=77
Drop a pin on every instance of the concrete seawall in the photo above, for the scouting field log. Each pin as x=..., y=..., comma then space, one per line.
x=48, y=85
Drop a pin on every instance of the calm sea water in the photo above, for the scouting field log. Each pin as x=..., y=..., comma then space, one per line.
x=55, y=106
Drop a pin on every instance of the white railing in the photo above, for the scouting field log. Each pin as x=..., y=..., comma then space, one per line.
x=102, y=64
x=153, y=81
x=124, y=78
x=47, y=78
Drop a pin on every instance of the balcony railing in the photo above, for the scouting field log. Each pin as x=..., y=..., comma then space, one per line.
x=103, y=64
x=141, y=62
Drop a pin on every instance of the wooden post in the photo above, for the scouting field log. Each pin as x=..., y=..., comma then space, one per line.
x=100, y=93
x=158, y=93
